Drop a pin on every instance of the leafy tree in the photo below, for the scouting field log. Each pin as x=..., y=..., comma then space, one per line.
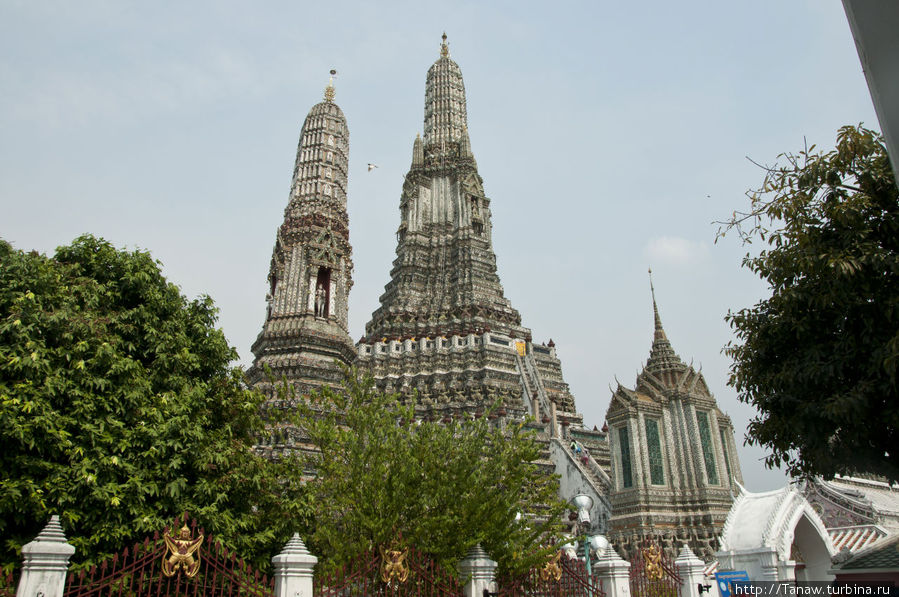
x=819, y=359
x=384, y=473
x=119, y=410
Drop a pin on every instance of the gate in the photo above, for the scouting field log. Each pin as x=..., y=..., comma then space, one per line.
x=561, y=576
x=653, y=574
x=393, y=571
x=183, y=562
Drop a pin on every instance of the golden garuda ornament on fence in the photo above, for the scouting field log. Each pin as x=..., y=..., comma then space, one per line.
x=653, y=558
x=180, y=553
x=552, y=570
x=393, y=565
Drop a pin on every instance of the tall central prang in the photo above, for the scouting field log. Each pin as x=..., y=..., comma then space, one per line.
x=444, y=280
x=444, y=327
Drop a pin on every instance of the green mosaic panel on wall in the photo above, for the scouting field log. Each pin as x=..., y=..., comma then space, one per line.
x=656, y=469
x=625, y=446
x=705, y=437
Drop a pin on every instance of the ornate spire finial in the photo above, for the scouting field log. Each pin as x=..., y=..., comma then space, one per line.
x=655, y=308
x=444, y=47
x=329, y=90
x=661, y=356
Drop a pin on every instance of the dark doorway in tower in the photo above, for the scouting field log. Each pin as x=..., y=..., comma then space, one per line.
x=323, y=292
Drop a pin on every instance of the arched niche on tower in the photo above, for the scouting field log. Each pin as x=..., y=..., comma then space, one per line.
x=322, y=297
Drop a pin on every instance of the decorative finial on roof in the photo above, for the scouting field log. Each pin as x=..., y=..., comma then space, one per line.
x=444, y=47
x=661, y=356
x=655, y=309
x=329, y=90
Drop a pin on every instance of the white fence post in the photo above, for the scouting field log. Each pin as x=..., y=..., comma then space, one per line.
x=690, y=569
x=293, y=569
x=614, y=573
x=478, y=572
x=46, y=560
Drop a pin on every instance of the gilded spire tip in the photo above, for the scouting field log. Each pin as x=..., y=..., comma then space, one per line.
x=444, y=47
x=329, y=90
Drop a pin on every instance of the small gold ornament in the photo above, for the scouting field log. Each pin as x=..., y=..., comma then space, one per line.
x=552, y=570
x=393, y=565
x=329, y=90
x=180, y=553
x=653, y=558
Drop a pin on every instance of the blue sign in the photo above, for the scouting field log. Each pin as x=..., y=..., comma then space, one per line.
x=724, y=580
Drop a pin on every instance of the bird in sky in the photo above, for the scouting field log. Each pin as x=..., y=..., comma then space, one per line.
x=372, y=167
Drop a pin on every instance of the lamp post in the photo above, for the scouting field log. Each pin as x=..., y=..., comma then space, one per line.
x=599, y=544
x=584, y=503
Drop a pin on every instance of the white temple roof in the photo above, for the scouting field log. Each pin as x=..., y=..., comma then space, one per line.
x=768, y=519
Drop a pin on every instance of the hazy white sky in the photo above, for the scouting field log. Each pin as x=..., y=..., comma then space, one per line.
x=610, y=136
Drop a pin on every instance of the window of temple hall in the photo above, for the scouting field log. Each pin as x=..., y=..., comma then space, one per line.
x=705, y=438
x=330, y=139
x=726, y=457
x=327, y=173
x=624, y=446
x=328, y=190
x=656, y=468
x=330, y=156
x=323, y=292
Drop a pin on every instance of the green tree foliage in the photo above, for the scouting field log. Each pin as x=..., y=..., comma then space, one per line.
x=119, y=411
x=819, y=359
x=384, y=475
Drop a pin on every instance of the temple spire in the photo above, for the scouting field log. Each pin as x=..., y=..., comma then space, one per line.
x=434, y=292
x=311, y=270
x=659, y=334
x=661, y=356
x=445, y=109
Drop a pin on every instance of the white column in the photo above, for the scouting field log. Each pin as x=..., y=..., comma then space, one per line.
x=687, y=471
x=690, y=569
x=720, y=454
x=614, y=574
x=642, y=449
x=293, y=569
x=694, y=442
x=477, y=572
x=669, y=450
x=633, y=431
x=46, y=560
